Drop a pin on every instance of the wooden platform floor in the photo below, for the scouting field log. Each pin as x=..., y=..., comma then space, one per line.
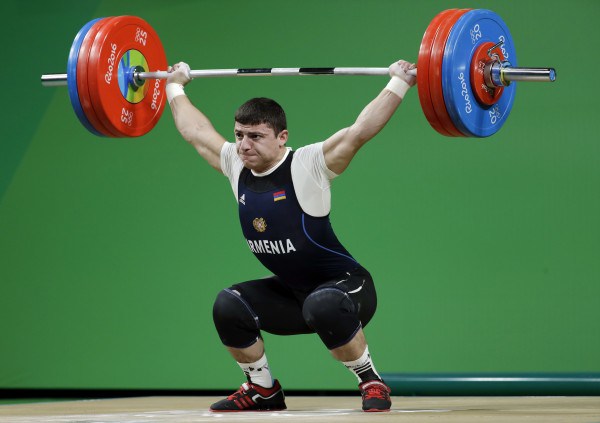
x=313, y=410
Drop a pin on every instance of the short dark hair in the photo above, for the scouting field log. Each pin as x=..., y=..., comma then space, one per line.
x=262, y=110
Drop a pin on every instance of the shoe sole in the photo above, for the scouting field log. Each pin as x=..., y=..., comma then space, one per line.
x=245, y=411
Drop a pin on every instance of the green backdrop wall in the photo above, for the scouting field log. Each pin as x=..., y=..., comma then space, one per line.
x=486, y=252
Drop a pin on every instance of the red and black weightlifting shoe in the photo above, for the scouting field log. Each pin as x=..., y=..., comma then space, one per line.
x=252, y=397
x=375, y=396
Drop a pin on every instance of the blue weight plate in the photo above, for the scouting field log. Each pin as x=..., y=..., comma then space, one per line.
x=468, y=115
x=72, y=76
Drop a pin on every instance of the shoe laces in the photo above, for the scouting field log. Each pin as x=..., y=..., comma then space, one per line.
x=239, y=393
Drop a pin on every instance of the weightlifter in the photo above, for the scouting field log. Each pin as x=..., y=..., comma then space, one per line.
x=283, y=197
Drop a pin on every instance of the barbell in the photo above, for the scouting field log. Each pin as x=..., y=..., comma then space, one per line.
x=466, y=65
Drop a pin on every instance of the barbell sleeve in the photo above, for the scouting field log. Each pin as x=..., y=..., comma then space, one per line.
x=500, y=73
x=54, y=79
x=511, y=74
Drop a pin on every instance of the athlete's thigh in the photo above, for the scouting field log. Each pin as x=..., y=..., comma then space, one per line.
x=275, y=305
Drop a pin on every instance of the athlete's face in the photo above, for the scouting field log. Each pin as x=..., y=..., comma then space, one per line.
x=259, y=147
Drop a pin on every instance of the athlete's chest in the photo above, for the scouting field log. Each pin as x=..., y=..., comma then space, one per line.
x=267, y=203
x=273, y=211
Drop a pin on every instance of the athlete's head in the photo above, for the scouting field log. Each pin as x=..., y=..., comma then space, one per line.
x=260, y=133
x=262, y=110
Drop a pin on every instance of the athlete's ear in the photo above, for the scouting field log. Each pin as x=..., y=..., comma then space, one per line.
x=282, y=137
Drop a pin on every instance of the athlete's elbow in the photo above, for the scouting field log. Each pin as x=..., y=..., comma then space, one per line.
x=192, y=133
x=187, y=134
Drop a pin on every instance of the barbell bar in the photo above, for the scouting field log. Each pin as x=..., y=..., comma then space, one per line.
x=464, y=87
x=139, y=78
x=506, y=74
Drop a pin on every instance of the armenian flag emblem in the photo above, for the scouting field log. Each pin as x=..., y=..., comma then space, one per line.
x=279, y=195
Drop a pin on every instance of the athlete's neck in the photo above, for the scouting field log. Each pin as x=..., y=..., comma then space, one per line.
x=275, y=166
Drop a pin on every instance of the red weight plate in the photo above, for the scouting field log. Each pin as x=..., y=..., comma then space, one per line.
x=484, y=94
x=423, y=70
x=108, y=65
x=82, y=78
x=435, y=73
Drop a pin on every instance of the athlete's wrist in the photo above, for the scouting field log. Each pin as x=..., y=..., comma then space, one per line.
x=398, y=86
x=173, y=90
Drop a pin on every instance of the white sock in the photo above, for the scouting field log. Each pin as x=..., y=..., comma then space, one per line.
x=363, y=368
x=258, y=372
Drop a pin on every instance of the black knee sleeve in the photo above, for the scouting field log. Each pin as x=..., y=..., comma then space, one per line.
x=332, y=314
x=236, y=322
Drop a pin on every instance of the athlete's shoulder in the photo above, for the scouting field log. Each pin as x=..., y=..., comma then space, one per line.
x=311, y=158
x=311, y=179
x=230, y=161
